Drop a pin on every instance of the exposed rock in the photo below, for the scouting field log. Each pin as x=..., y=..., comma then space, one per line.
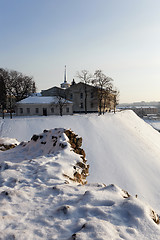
x=81, y=168
x=75, y=142
x=4, y=147
x=35, y=137
x=63, y=209
x=154, y=216
x=58, y=139
x=62, y=145
x=8, y=143
x=77, y=176
x=126, y=194
x=73, y=236
x=45, y=131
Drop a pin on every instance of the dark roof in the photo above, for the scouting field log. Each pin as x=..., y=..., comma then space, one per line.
x=54, y=91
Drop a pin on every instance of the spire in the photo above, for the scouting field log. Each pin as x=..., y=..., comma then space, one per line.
x=65, y=75
x=65, y=85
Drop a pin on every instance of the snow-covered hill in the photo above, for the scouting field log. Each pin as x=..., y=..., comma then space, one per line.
x=41, y=197
x=120, y=148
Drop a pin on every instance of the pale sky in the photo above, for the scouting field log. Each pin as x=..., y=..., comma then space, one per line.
x=120, y=37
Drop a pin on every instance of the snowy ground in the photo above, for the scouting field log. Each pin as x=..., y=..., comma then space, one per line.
x=121, y=148
x=37, y=202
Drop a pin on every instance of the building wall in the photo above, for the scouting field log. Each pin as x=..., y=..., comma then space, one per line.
x=76, y=94
x=42, y=109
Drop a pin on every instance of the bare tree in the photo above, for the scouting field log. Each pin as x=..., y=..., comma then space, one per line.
x=116, y=94
x=16, y=84
x=107, y=97
x=60, y=101
x=85, y=77
x=2, y=92
x=102, y=82
x=17, y=87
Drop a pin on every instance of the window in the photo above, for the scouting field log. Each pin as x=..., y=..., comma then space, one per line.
x=81, y=95
x=92, y=94
x=71, y=96
x=52, y=110
x=37, y=110
x=67, y=109
x=81, y=106
x=28, y=110
x=21, y=110
x=91, y=104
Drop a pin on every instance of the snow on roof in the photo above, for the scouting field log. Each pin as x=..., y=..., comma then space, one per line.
x=42, y=100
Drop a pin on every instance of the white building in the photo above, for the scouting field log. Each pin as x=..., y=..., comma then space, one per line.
x=40, y=106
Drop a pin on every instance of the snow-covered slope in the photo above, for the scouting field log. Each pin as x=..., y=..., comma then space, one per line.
x=154, y=123
x=120, y=148
x=50, y=143
x=40, y=200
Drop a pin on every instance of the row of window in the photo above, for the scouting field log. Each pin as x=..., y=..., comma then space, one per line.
x=82, y=95
x=21, y=110
x=82, y=105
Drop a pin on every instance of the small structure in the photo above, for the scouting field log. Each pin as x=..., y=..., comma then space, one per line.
x=40, y=106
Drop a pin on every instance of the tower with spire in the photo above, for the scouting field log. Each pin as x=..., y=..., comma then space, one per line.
x=65, y=84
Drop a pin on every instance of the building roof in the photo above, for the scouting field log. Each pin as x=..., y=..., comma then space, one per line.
x=42, y=100
x=83, y=84
x=52, y=88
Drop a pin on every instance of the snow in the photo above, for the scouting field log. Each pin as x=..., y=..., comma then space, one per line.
x=41, y=100
x=8, y=141
x=38, y=202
